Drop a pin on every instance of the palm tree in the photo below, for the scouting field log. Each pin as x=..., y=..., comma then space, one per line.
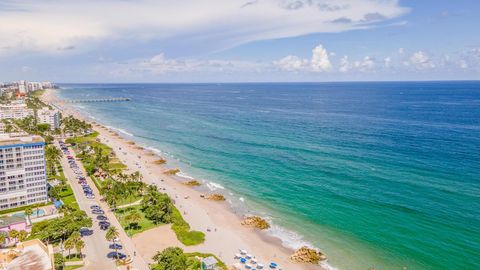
x=13, y=234
x=69, y=244
x=22, y=235
x=29, y=212
x=3, y=237
x=111, y=235
x=133, y=218
x=79, y=245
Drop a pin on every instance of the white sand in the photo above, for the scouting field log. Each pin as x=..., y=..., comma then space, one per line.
x=227, y=235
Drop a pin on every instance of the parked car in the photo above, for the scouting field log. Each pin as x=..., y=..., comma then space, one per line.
x=115, y=246
x=116, y=255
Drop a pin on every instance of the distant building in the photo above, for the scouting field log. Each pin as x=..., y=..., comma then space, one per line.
x=23, y=178
x=23, y=87
x=15, y=110
x=47, y=116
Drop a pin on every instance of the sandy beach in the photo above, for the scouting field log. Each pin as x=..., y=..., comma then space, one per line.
x=224, y=233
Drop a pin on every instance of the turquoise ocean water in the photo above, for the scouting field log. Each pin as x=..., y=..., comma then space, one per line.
x=374, y=174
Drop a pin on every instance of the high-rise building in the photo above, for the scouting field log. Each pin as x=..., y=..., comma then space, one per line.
x=23, y=178
x=47, y=116
x=23, y=87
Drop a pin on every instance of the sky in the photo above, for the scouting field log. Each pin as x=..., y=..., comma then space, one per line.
x=239, y=40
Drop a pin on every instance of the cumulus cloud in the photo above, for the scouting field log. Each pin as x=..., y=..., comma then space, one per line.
x=344, y=64
x=58, y=26
x=291, y=63
x=421, y=60
x=367, y=63
x=319, y=62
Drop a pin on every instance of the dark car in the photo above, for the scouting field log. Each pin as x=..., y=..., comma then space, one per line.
x=94, y=206
x=116, y=255
x=115, y=246
x=84, y=231
x=98, y=212
x=102, y=217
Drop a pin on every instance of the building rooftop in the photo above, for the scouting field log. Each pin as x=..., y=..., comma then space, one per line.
x=7, y=139
x=28, y=255
x=9, y=220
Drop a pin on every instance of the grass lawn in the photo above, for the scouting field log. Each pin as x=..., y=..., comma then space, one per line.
x=143, y=225
x=71, y=267
x=68, y=197
x=37, y=93
x=183, y=232
x=128, y=200
x=73, y=258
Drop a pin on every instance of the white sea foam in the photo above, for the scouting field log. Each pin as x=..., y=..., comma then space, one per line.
x=293, y=240
x=184, y=175
x=214, y=186
x=155, y=150
x=120, y=130
x=241, y=199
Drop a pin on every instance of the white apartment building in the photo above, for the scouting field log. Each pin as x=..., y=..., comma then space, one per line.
x=23, y=178
x=15, y=111
x=23, y=87
x=47, y=116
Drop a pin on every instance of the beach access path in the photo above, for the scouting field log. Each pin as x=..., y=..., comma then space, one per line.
x=97, y=247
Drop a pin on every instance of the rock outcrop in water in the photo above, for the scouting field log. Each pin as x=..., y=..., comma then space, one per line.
x=215, y=197
x=192, y=183
x=172, y=171
x=256, y=222
x=160, y=161
x=308, y=255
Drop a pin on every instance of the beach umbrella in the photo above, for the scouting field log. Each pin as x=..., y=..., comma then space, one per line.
x=243, y=251
x=259, y=266
x=238, y=255
x=243, y=260
x=248, y=266
x=254, y=261
x=273, y=265
x=248, y=256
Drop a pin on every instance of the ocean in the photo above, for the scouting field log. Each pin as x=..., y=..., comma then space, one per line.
x=382, y=174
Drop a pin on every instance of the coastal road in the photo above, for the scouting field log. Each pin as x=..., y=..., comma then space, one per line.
x=96, y=246
x=101, y=245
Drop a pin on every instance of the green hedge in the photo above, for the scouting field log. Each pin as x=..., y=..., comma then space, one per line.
x=182, y=230
x=18, y=209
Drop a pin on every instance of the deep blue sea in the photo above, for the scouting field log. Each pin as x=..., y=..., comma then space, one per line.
x=383, y=174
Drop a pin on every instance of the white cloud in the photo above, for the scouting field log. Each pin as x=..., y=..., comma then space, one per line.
x=58, y=26
x=291, y=63
x=462, y=64
x=320, y=61
x=387, y=62
x=344, y=64
x=421, y=60
x=161, y=65
x=367, y=63
x=401, y=50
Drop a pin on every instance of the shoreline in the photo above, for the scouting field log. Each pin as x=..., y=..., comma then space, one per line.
x=217, y=220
